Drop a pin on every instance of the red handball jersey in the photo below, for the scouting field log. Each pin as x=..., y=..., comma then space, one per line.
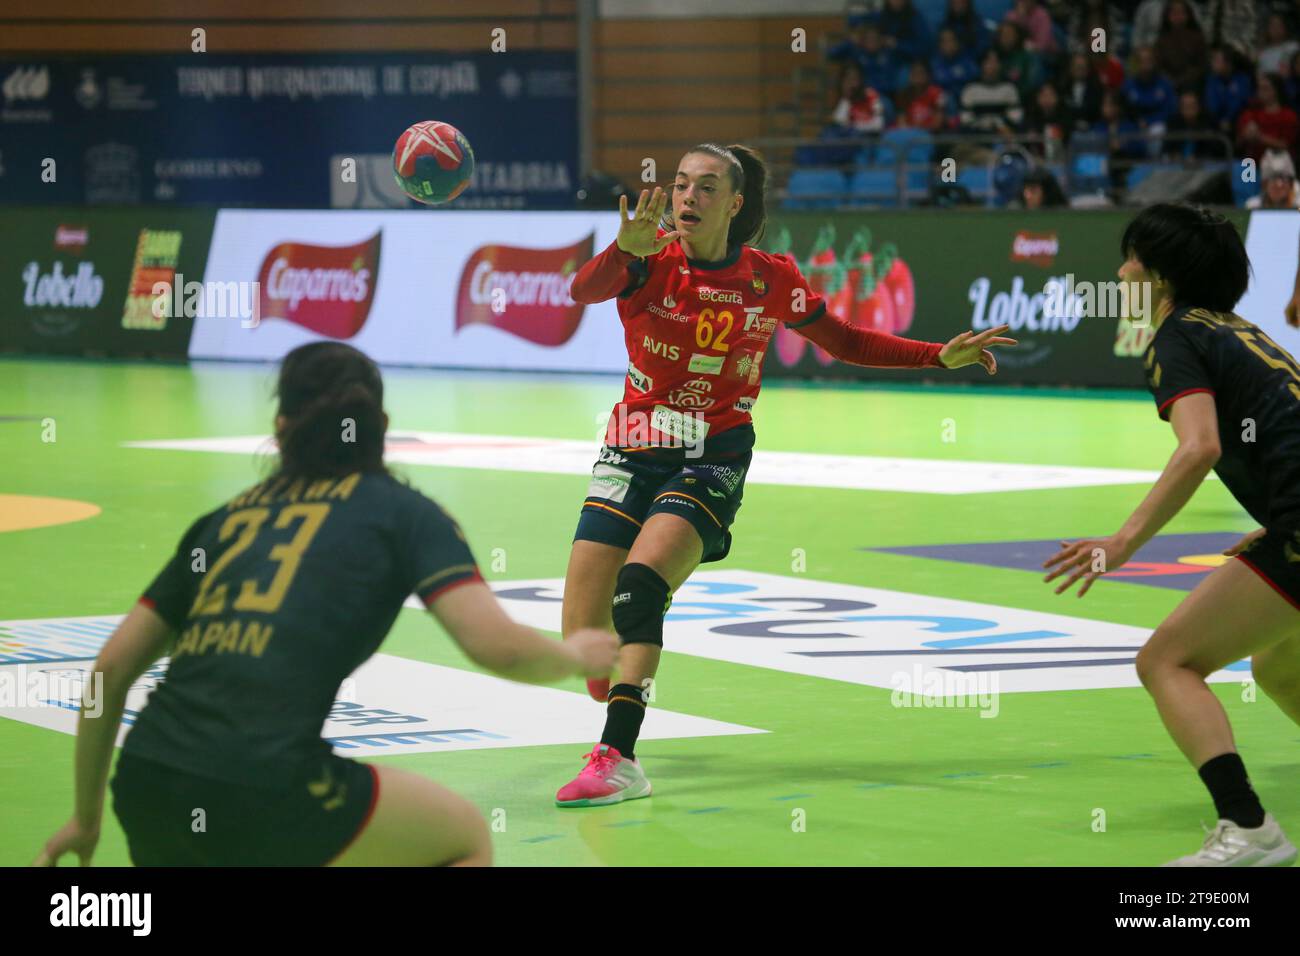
x=697, y=333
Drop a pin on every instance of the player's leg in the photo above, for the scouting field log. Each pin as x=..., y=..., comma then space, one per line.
x=589, y=593
x=416, y=822
x=1232, y=614
x=664, y=554
x=1277, y=671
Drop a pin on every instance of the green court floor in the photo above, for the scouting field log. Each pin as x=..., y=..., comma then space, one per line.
x=842, y=776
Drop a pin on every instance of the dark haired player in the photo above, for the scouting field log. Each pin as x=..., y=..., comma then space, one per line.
x=699, y=306
x=1233, y=398
x=303, y=576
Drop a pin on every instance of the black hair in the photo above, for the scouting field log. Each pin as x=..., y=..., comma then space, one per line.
x=321, y=386
x=1053, y=194
x=748, y=174
x=1275, y=81
x=1166, y=25
x=1198, y=251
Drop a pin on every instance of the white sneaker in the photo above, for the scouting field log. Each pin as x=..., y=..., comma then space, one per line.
x=1231, y=845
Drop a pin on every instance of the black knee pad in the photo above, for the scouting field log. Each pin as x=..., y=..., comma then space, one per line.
x=641, y=599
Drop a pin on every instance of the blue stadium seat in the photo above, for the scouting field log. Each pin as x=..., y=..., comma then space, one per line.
x=878, y=186
x=916, y=144
x=1088, y=172
x=815, y=189
x=1143, y=170
x=978, y=180
x=918, y=183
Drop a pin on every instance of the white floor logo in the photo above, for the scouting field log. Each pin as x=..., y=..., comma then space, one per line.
x=871, y=636
x=388, y=706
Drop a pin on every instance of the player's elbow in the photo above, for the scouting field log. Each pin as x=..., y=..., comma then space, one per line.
x=1204, y=452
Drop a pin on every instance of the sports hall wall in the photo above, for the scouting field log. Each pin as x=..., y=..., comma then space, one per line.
x=266, y=246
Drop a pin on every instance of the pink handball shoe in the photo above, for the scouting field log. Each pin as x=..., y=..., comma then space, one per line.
x=609, y=777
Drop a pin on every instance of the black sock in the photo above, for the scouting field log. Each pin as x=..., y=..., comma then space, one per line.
x=1234, y=798
x=623, y=718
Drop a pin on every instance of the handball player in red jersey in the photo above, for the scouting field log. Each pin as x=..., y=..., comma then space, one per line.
x=699, y=307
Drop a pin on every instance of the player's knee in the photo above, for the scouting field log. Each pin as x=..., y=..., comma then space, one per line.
x=1151, y=662
x=640, y=601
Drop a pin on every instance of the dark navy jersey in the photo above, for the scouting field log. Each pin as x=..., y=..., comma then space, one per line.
x=1256, y=389
x=275, y=598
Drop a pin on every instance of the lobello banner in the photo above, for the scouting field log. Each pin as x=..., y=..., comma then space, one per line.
x=86, y=281
x=447, y=289
x=925, y=275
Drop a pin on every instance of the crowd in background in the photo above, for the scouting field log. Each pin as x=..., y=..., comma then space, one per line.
x=1146, y=79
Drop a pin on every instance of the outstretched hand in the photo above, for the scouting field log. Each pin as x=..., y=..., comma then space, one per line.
x=970, y=347
x=1087, y=559
x=72, y=837
x=636, y=236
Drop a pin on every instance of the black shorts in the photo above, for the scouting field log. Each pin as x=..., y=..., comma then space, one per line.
x=307, y=824
x=1275, y=557
x=629, y=485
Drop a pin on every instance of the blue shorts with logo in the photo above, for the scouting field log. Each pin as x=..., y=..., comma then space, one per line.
x=628, y=485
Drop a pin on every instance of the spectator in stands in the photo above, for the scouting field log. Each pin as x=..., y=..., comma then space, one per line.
x=1092, y=15
x=1150, y=96
x=920, y=104
x=860, y=108
x=1051, y=119
x=1095, y=32
x=1019, y=65
x=1267, y=123
x=968, y=26
x=1227, y=89
x=1181, y=49
x=1277, y=182
x=1280, y=48
x=1147, y=22
x=1192, y=134
x=866, y=48
x=1040, y=190
x=1122, y=135
x=952, y=67
x=1081, y=92
x=1230, y=22
x=904, y=31
x=1109, y=69
x=1292, y=82
x=1036, y=25
x=990, y=103
x=858, y=111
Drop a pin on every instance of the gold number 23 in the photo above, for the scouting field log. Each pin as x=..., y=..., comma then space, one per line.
x=211, y=598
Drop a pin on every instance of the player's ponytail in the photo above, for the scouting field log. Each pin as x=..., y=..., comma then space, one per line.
x=748, y=175
x=750, y=223
x=332, y=400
